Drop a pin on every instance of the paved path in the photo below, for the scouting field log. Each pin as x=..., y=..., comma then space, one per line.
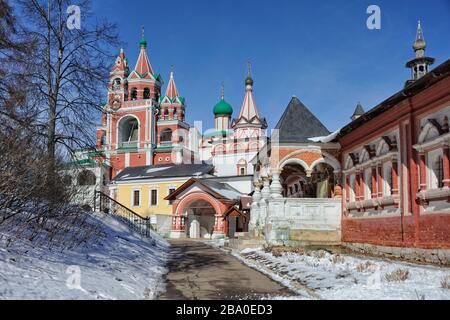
x=199, y=271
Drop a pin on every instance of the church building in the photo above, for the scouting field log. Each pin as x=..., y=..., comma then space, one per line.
x=382, y=181
x=380, y=184
x=164, y=169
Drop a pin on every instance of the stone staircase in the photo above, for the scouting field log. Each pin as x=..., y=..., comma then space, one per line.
x=243, y=240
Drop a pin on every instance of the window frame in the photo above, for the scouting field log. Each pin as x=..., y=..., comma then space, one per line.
x=169, y=193
x=133, y=198
x=150, y=200
x=432, y=177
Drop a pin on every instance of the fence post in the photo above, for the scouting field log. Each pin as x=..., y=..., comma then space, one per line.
x=148, y=228
x=95, y=200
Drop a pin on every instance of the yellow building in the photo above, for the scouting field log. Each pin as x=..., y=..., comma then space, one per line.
x=143, y=189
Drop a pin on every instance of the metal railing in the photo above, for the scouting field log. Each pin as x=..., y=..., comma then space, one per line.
x=108, y=205
x=128, y=144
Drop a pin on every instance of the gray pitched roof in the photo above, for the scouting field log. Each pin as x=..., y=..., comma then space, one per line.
x=163, y=171
x=224, y=189
x=297, y=124
x=359, y=111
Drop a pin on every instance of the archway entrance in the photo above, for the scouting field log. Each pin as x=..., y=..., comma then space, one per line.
x=297, y=183
x=200, y=219
x=128, y=133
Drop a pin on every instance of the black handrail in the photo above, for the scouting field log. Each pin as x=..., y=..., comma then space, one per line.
x=135, y=221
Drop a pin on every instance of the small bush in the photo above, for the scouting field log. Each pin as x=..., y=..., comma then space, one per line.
x=318, y=254
x=268, y=249
x=366, y=266
x=277, y=251
x=445, y=282
x=397, y=275
x=337, y=258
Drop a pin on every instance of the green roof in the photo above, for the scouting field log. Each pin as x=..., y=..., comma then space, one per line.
x=223, y=108
x=143, y=42
x=172, y=100
x=217, y=133
x=83, y=161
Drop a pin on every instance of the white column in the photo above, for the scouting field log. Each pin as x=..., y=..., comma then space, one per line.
x=275, y=187
x=257, y=193
x=265, y=192
x=254, y=211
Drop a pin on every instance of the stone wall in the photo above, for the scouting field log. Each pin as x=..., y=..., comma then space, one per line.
x=437, y=256
x=288, y=221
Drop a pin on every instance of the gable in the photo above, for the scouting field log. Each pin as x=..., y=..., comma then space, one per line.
x=298, y=123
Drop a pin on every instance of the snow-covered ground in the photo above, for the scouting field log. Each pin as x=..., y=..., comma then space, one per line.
x=118, y=264
x=322, y=275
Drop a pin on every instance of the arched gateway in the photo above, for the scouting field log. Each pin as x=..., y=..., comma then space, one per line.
x=298, y=183
x=205, y=203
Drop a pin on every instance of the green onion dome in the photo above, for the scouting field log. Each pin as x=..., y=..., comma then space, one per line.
x=223, y=108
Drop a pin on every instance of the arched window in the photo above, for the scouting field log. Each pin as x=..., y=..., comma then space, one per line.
x=133, y=94
x=166, y=136
x=146, y=93
x=237, y=148
x=242, y=167
x=116, y=84
x=128, y=129
x=86, y=178
x=219, y=149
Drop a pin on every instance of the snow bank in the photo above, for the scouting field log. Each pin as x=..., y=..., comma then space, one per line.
x=119, y=264
x=346, y=277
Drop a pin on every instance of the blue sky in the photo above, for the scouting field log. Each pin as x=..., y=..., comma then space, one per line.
x=321, y=51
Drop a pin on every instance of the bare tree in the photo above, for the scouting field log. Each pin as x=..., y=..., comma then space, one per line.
x=51, y=84
x=68, y=71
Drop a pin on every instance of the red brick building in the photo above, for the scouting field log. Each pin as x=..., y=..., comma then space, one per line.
x=396, y=164
x=141, y=127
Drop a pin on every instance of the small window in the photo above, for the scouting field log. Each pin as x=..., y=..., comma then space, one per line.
x=153, y=197
x=166, y=136
x=146, y=93
x=134, y=94
x=242, y=171
x=136, y=198
x=171, y=190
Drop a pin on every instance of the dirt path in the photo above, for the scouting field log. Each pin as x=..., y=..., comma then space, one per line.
x=199, y=271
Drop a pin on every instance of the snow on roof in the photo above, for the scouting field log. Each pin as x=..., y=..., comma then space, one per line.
x=156, y=169
x=224, y=189
x=325, y=139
